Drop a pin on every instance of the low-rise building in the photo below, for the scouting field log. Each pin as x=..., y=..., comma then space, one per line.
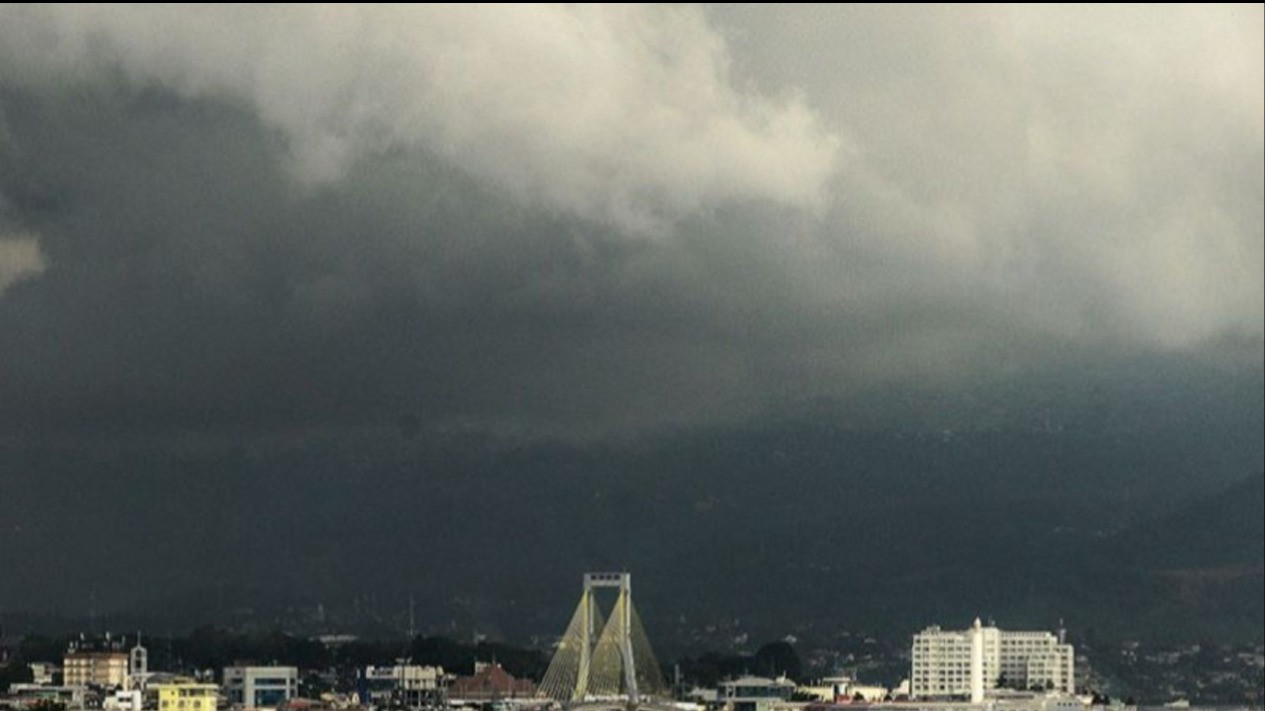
x=185, y=695
x=841, y=689
x=754, y=693
x=123, y=700
x=489, y=683
x=404, y=685
x=43, y=672
x=73, y=697
x=260, y=687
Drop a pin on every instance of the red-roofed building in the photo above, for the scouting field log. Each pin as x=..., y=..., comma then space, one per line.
x=489, y=682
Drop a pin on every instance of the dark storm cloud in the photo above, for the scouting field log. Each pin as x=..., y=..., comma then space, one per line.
x=410, y=264
x=307, y=272
x=209, y=228
x=215, y=228
x=206, y=288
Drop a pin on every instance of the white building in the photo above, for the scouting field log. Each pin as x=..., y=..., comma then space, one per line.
x=753, y=693
x=408, y=685
x=260, y=687
x=123, y=700
x=42, y=672
x=970, y=663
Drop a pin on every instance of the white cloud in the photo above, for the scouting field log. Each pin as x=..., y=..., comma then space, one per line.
x=620, y=114
x=1092, y=172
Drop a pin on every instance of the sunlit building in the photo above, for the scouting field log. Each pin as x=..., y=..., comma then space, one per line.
x=186, y=696
x=753, y=693
x=260, y=687
x=408, y=685
x=92, y=668
x=490, y=682
x=970, y=663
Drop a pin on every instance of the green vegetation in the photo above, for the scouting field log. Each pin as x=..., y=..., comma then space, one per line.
x=15, y=672
x=771, y=660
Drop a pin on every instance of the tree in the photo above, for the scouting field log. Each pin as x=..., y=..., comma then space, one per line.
x=15, y=672
x=777, y=658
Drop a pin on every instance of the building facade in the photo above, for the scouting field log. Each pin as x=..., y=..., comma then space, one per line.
x=26, y=695
x=104, y=669
x=1036, y=661
x=490, y=683
x=970, y=663
x=404, y=685
x=123, y=700
x=260, y=687
x=186, y=696
x=43, y=672
x=753, y=693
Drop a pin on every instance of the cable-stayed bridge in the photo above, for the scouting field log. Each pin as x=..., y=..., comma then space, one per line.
x=604, y=659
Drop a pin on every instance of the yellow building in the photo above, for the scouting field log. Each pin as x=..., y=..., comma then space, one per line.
x=186, y=697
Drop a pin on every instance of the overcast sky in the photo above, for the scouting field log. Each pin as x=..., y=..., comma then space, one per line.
x=608, y=218
x=238, y=225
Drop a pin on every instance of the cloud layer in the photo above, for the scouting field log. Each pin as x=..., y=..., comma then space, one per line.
x=1098, y=169
x=616, y=114
x=612, y=218
x=341, y=279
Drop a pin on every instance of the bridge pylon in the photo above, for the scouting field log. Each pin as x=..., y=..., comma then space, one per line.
x=603, y=657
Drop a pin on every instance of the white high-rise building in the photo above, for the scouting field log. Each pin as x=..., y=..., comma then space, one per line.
x=968, y=663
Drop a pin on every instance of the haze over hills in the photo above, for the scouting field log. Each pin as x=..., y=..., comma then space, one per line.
x=1126, y=523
